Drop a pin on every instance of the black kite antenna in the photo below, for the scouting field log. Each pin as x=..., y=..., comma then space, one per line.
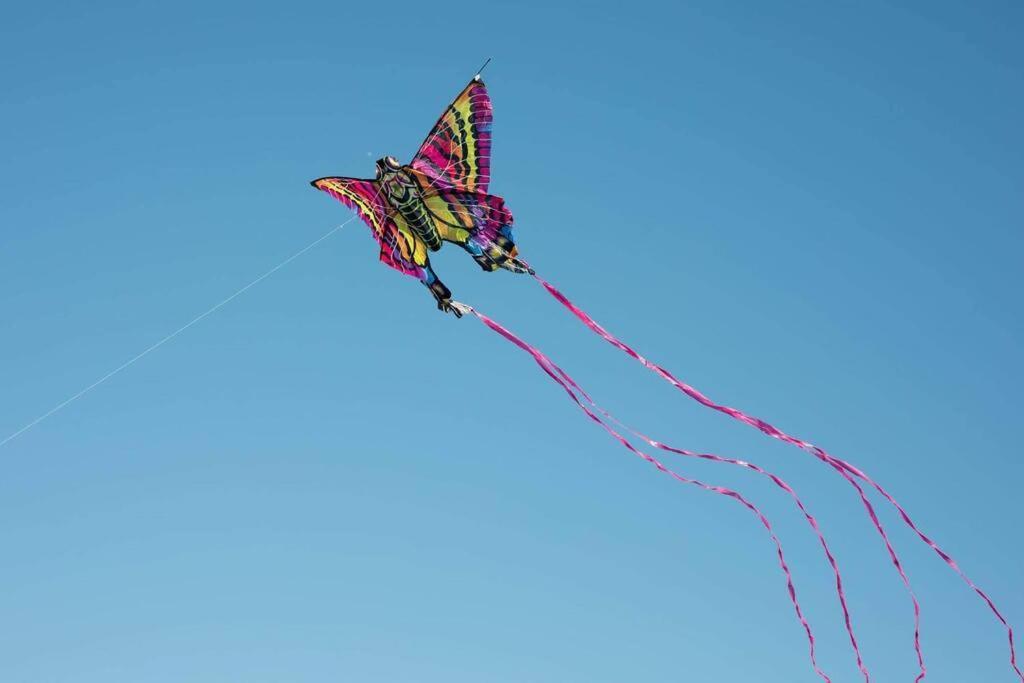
x=481, y=69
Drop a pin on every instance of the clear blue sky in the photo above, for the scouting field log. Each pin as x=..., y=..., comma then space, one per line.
x=811, y=212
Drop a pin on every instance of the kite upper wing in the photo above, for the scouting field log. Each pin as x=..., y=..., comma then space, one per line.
x=457, y=153
x=400, y=247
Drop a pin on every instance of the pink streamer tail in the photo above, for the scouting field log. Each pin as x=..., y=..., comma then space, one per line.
x=556, y=374
x=846, y=470
x=778, y=481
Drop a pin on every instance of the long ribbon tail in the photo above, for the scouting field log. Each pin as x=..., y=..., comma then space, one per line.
x=556, y=374
x=847, y=470
x=775, y=479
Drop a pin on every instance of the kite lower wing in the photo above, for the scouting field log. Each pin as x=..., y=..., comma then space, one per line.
x=462, y=214
x=480, y=222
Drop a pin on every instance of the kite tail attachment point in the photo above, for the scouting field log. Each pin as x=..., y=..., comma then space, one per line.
x=461, y=307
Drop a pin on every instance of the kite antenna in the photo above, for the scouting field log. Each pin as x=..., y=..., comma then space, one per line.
x=481, y=69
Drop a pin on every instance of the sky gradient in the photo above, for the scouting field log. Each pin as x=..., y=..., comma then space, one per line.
x=810, y=212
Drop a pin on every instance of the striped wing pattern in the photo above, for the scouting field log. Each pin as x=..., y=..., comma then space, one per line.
x=400, y=247
x=462, y=215
x=457, y=153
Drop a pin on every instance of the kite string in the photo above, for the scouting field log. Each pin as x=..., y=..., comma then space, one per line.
x=173, y=334
x=844, y=468
x=554, y=373
x=775, y=479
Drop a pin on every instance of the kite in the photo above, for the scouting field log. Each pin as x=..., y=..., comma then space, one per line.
x=442, y=196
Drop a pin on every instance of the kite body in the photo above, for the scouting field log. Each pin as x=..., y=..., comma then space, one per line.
x=440, y=196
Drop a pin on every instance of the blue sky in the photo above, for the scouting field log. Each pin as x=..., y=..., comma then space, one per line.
x=811, y=212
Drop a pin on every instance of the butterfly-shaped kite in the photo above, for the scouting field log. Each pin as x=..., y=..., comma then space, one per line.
x=441, y=196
